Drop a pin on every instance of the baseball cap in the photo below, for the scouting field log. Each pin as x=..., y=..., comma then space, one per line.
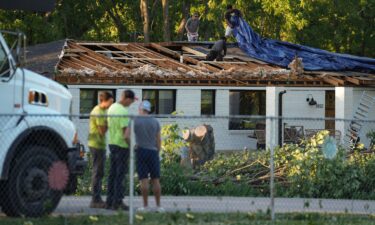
x=145, y=105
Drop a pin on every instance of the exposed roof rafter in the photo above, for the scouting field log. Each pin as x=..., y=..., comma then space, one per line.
x=183, y=64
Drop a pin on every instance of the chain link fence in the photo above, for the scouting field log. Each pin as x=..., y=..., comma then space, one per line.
x=207, y=164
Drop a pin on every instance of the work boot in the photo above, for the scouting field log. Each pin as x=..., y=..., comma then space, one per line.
x=98, y=204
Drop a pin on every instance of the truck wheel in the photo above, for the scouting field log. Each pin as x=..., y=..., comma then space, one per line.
x=27, y=191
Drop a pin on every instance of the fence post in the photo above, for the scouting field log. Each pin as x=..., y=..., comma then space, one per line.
x=131, y=174
x=272, y=172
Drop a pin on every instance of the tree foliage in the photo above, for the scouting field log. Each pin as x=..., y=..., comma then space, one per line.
x=335, y=25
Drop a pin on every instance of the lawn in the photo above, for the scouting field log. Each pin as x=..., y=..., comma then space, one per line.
x=194, y=218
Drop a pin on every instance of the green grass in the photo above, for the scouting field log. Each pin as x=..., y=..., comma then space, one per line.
x=194, y=218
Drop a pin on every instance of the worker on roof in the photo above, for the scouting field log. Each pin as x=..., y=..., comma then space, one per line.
x=218, y=50
x=231, y=19
x=192, y=26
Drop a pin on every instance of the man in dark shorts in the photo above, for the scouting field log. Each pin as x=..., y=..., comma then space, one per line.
x=228, y=15
x=218, y=50
x=148, y=144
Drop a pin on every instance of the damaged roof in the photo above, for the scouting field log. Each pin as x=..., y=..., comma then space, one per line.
x=42, y=58
x=184, y=63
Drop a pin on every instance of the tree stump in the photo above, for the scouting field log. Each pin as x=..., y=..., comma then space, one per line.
x=201, y=143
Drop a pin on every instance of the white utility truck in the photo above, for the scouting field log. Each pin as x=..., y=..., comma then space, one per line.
x=40, y=156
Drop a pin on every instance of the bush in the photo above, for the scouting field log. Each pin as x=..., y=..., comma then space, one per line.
x=371, y=136
x=300, y=171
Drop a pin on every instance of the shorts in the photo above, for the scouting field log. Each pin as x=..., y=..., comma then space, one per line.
x=192, y=37
x=148, y=163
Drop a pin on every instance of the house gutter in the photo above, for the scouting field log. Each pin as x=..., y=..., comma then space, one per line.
x=281, y=93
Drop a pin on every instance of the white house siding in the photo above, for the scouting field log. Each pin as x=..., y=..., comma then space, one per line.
x=188, y=102
x=295, y=105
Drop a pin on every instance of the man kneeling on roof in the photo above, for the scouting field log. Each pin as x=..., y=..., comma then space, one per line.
x=218, y=50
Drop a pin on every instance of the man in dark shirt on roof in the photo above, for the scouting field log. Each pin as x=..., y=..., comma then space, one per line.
x=229, y=14
x=218, y=50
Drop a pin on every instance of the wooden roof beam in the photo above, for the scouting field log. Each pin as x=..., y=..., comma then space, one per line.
x=117, y=53
x=172, y=63
x=193, y=51
x=338, y=80
x=185, y=58
x=98, y=58
x=352, y=80
x=331, y=81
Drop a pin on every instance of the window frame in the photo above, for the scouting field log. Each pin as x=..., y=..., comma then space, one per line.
x=254, y=121
x=95, y=99
x=213, y=101
x=6, y=76
x=157, y=99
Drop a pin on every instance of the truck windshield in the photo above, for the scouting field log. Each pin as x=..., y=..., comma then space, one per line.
x=4, y=63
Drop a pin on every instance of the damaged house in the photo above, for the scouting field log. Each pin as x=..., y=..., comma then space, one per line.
x=176, y=77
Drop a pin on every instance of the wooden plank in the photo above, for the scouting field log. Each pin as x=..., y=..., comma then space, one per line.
x=341, y=82
x=352, y=80
x=204, y=57
x=65, y=64
x=246, y=59
x=84, y=63
x=102, y=44
x=170, y=61
x=70, y=55
x=72, y=50
x=122, y=52
x=223, y=62
x=147, y=59
x=88, y=58
x=330, y=81
x=98, y=58
x=193, y=51
x=166, y=64
x=177, y=56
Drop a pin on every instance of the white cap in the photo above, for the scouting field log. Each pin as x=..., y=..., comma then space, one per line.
x=145, y=105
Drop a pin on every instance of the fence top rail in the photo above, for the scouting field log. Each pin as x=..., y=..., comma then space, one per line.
x=169, y=116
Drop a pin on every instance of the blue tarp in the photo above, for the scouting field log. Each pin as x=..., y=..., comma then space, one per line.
x=282, y=53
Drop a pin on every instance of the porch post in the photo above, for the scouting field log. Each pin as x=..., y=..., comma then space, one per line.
x=343, y=108
x=272, y=103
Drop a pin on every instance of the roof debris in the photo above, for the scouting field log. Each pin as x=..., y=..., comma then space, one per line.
x=184, y=64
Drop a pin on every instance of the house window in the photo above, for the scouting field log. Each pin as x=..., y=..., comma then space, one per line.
x=247, y=103
x=89, y=98
x=208, y=102
x=162, y=101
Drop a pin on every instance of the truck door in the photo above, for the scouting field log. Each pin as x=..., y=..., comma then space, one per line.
x=7, y=88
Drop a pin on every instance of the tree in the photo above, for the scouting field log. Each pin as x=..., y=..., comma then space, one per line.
x=146, y=20
x=185, y=8
x=341, y=26
x=114, y=8
x=166, y=28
